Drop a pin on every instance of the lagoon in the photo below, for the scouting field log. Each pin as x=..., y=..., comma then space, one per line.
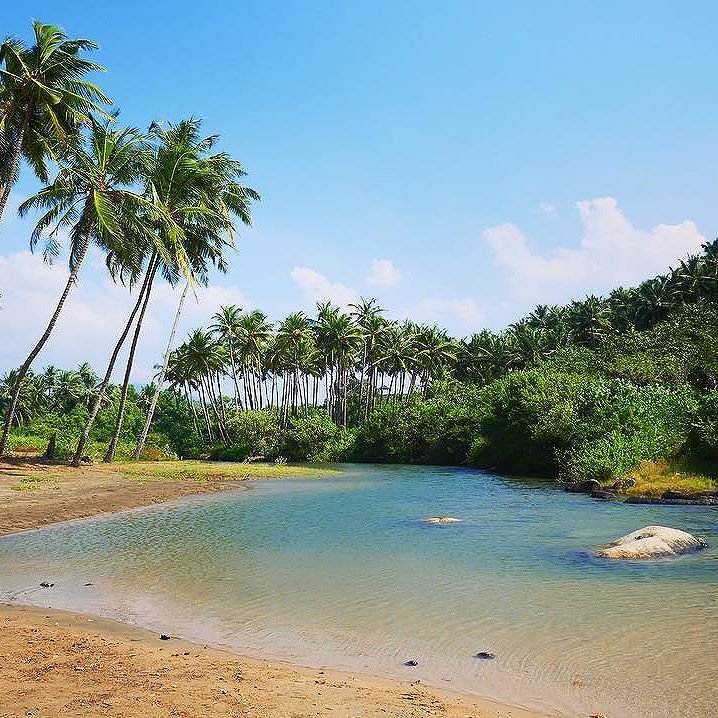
x=341, y=572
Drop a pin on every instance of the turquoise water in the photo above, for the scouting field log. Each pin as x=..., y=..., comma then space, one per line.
x=340, y=572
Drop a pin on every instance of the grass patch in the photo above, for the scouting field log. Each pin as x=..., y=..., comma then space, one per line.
x=653, y=478
x=203, y=471
x=32, y=482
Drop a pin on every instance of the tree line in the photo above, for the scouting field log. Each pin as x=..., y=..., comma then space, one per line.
x=342, y=361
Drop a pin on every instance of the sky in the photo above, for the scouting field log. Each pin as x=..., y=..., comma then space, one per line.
x=459, y=161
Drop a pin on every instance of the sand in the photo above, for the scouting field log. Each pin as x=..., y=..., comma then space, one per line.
x=57, y=663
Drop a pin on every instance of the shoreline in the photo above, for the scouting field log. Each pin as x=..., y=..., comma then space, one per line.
x=36, y=494
x=47, y=655
x=45, y=652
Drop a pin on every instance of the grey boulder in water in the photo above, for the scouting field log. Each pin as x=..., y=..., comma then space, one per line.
x=652, y=542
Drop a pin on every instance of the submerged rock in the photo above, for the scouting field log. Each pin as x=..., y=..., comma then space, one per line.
x=412, y=663
x=164, y=637
x=441, y=520
x=485, y=655
x=583, y=487
x=652, y=542
x=46, y=584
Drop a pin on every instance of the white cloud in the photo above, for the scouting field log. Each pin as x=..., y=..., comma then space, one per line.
x=612, y=252
x=547, y=209
x=93, y=316
x=459, y=314
x=318, y=288
x=384, y=273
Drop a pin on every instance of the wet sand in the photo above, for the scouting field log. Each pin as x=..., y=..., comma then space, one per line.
x=57, y=663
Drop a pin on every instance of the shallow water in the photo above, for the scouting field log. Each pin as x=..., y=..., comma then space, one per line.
x=338, y=572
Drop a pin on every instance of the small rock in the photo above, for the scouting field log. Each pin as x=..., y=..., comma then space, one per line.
x=411, y=663
x=601, y=494
x=441, y=520
x=88, y=584
x=485, y=655
x=46, y=584
x=164, y=637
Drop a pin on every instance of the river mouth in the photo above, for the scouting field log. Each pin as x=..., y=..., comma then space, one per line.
x=343, y=573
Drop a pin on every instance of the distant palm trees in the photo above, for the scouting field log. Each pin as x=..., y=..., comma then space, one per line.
x=590, y=322
x=52, y=391
x=342, y=362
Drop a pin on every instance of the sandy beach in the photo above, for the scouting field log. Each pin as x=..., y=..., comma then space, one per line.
x=56, y=663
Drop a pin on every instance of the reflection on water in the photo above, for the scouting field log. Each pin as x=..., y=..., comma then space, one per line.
x=338, y=572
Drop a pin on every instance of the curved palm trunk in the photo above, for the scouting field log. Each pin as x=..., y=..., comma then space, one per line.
x=106, y=379
x=22, y=372
x=14, y=162
x=161, y=379
x=110, y=453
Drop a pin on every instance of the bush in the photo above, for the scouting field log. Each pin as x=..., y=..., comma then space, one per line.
x=704, y=438
x=307, y=435
x=435, y=430
x=577, y=426
x=255, y=433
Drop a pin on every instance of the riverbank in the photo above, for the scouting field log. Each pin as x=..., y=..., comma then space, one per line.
x=60, y=663
x=34, y=493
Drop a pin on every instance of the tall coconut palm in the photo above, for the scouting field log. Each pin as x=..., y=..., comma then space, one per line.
x=339, y=339
x=202, y=194
x=226, y=325
x=91, y=197
x=253, y=333
x=45, y=98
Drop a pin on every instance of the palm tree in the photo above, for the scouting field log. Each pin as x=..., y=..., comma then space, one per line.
x=294, y=341
x=199, y=194
x=91, y=197
x=44, y=99
x=226, y=327
x=253, y=333
x=338, y=338
x=161, y=378
x=590, y=320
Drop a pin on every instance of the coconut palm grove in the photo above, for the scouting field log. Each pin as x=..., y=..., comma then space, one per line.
x=603, y=388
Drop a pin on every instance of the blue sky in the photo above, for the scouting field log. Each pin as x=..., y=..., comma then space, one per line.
x=460, y=161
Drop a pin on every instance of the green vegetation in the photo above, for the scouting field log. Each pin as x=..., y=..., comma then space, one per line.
x=597, y=389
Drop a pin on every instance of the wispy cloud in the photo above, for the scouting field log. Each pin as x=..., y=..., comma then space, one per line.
x=611, y=252
x=318, y=288
x=384, y=273
x=547, y=209
x=93, y=315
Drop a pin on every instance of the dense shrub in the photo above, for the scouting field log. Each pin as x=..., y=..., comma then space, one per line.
x=307, y=436
x=436, y=430
x=577, y=426
x=704, y=439
x=255, y=433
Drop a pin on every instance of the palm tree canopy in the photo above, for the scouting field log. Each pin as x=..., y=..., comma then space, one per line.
x=45, y=97
x=92, y=195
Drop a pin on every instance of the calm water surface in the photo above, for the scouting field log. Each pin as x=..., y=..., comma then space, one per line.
x=338, y=572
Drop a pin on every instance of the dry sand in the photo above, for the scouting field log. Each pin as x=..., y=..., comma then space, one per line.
x=56, y=663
